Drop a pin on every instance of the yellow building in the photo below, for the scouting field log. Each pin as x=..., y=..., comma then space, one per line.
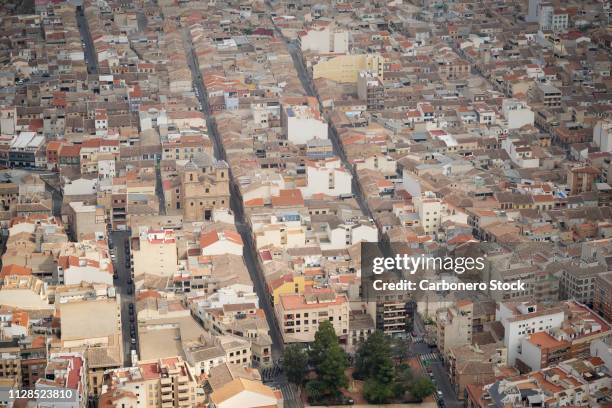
x=346, y=68
x=286, y=284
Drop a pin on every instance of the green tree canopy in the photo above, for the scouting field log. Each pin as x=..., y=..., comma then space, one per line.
x=329, y=360
x=374, y=359
x=421, y=388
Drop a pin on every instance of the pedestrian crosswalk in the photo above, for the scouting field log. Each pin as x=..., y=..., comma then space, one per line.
x=434, y=356
x=290, y=396
x=416, y=339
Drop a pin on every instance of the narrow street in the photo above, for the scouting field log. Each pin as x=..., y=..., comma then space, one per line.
x=88, y=47
x=440, y=376
x=236, y=205
x=291, y=400
x=119, y=239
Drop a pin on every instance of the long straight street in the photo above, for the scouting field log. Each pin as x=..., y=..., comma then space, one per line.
x=291, y=400
x=88, y=47
x=124, y=287
x=440, y=377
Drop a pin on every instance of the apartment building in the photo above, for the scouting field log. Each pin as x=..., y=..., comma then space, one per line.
x=370, y=88
x=155, y=253
x=84, y=219
x=581, y=179
x=162, y=383
x=23, y=357
x=578, y=282
x=454, y=326
x=548, y=94
x=393, y=314
x=474, y=364
x=346, y=68
x=602, y=135
x=302, y=122
x=65, y=370
x=10, y=365
x=429, y=209
x=299, y=314
x=517, y=114
x=327, y=177
x=602, y=297
x=286, y=284
x=521, y=319
x=26, y=149
x=540, y=350
x=325, y=39
x=99, y=339
x=521, y=153
x=552, y=18
x=186, y=147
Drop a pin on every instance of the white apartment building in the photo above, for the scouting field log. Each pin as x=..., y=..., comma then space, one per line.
x=521, y=319
x=520, y=153
x=517, y=113
x=280, y=231
x=430, y=209
x=83, y=269
x=325, y=40
x=327, y=177
x=347, y=234
x=551, y=18
x=302, y=123
x=602, y=135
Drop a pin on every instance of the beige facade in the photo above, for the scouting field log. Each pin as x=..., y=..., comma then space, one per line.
x=299, y=315
x=10, y=365
x=85, y=219
x=156, y=254
x=454, y=326
x=346, y=68
x=164, y=383
x=202, y=189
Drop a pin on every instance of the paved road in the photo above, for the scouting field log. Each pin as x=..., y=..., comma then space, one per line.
x=440, y=375
x=237, y=208
x=250, y=258
x=141, y=19
x=159, y=191
x=121, y=284
x=90, y=56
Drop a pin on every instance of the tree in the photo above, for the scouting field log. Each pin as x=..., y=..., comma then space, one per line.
x=314, y=390
x=329, y=360
x=399, y=349
x=376, y=392
x=380, y=388
x=403, y=380
x=421, y=388
x=295, y=363
x=374, y=358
